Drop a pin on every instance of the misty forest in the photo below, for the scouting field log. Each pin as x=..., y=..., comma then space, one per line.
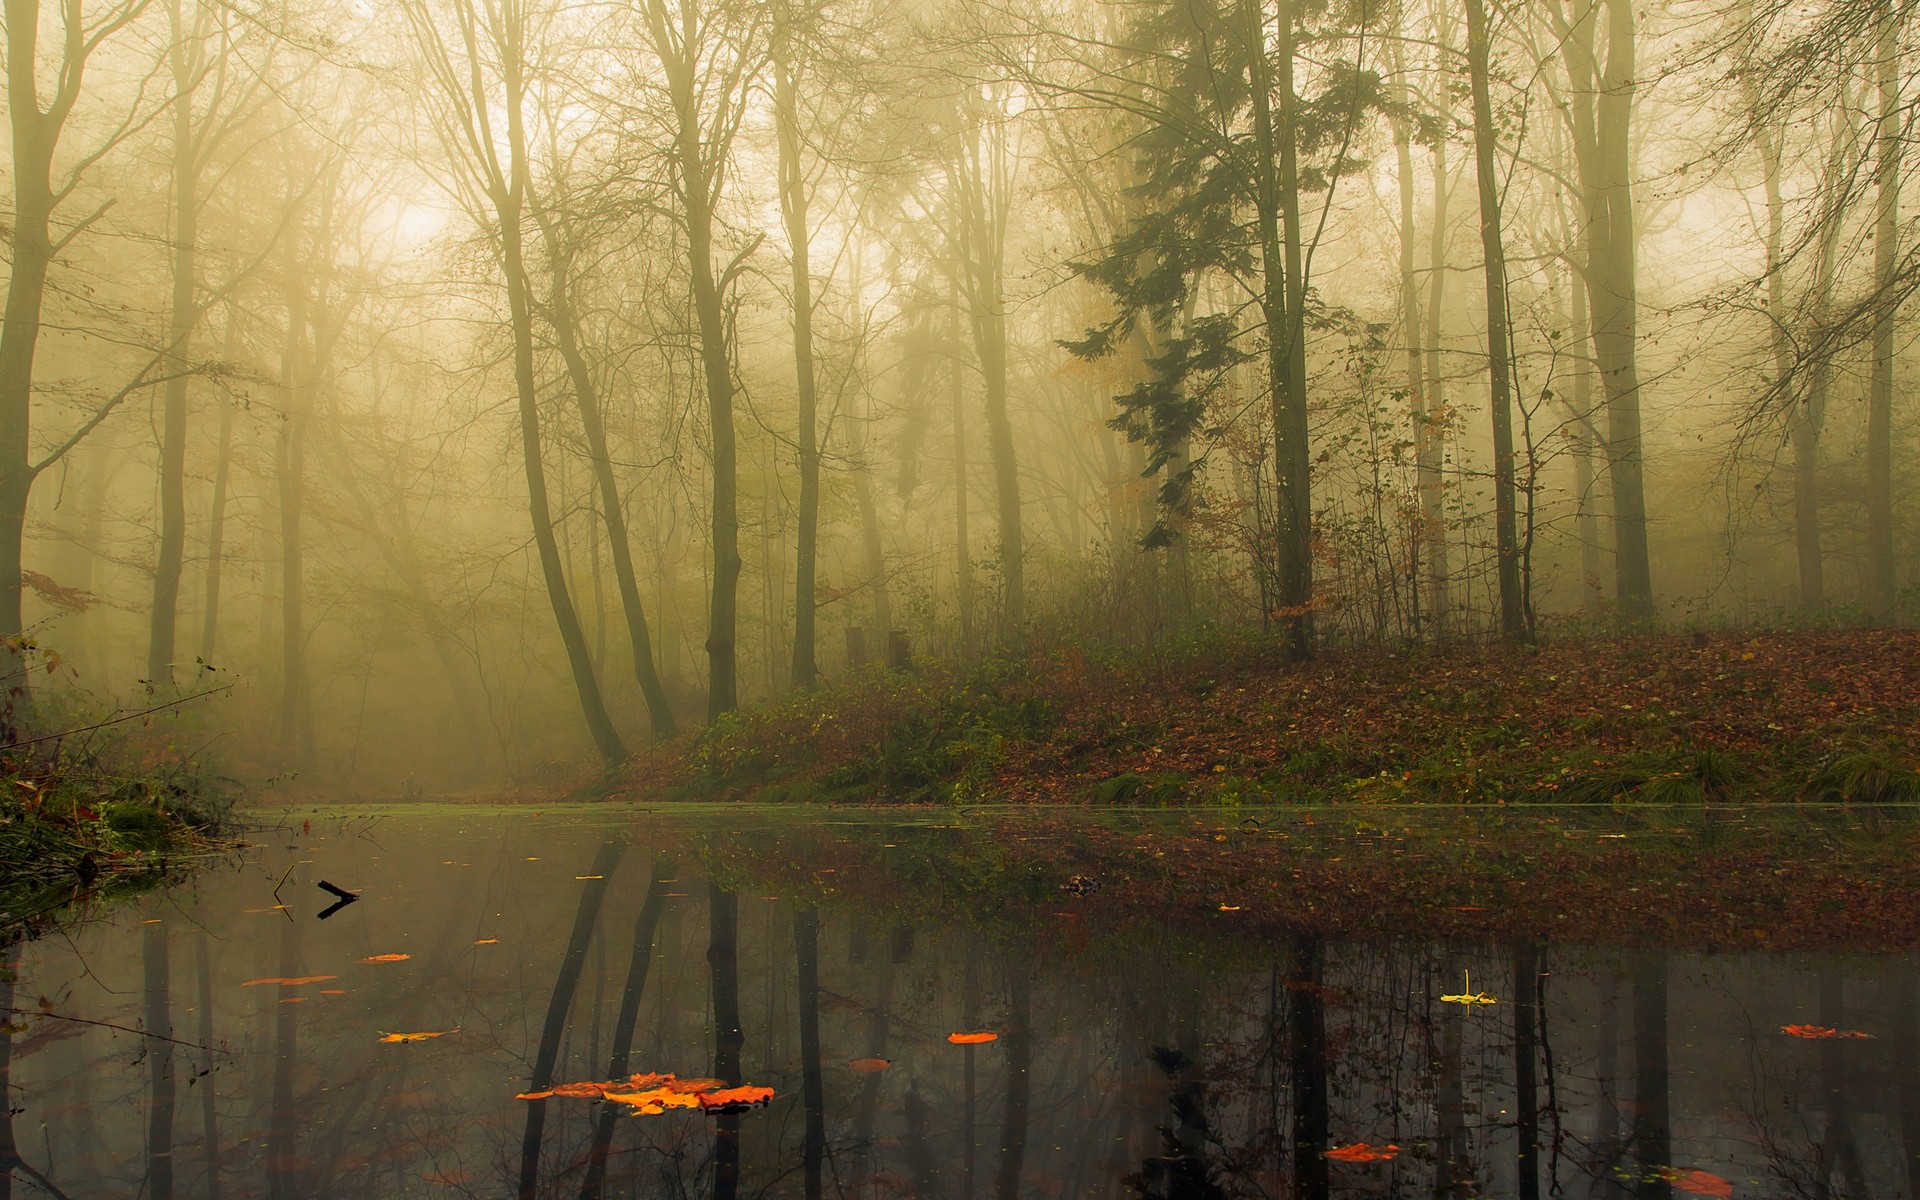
x=481, y=384
x=960, y=599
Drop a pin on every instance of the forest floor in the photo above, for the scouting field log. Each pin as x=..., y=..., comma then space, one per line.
x=1812, y=716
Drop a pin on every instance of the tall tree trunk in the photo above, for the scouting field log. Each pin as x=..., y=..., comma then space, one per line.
x=508, y=197
x=1886, y=233
x=1430, y=436
x=613, y=509
x=979, y=180
x=1613, y=293
x=182, y=315
x=1803, y=424
x=1410, y=330
x=566, y=981
x=216, y=534
x=793, y=209
x=290, y=481
x=35, y=135
x=962, y=542
x=1513, y=620
x=1277, y=205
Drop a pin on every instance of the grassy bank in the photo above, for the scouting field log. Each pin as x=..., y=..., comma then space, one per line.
x=74, y=830
x=1812, y=716
x=1698, y=878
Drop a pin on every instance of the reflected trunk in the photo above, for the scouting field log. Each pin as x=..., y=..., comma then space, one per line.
x=1018, y=1040
x=646, y=929
x=1526, y=1094
x=209, y=1110
x=593, y=892
x=1307, y=1054
x=1652, y=1125
x=723, y=958
x=287, y=1177
x=806, y=945
x=159, y=1052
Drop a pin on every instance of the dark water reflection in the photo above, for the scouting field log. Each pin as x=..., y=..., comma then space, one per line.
x=589, y=946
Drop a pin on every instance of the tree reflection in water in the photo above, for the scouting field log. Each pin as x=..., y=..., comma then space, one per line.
x=1131, y=1060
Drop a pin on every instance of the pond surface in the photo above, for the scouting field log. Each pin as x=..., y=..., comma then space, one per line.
x=1135, y=1056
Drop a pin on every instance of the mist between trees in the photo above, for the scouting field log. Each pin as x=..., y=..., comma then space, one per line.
x=478, y=383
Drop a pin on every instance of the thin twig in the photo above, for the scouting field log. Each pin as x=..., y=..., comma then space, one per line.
x=158, y=1037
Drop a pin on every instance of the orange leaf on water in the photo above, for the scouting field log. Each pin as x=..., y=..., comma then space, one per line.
x=1362, y=1152
x=650, y=1093
x=1821, y=1031
x=294, y=981
x=1699, y=1183
x=972, y=1039
x=386, y=958
x=654, y=1101
x=486, y=941
x=734, y=1100
x=401, y=1038
x=869, y=1066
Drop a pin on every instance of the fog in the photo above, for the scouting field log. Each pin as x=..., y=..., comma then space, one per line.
x=452, y=388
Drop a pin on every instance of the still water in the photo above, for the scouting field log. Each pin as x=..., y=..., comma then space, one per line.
x=227, y=1039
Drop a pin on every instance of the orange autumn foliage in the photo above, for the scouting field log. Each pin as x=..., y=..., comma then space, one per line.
x=650, y=1093
x=1821, y=1031
x=386, y=958
x=1362, y=1152
x=972, y=1039
x=395, y=1039
x=1698, y=1183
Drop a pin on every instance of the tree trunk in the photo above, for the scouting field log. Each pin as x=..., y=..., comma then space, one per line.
x=1513, y=621
x=1277, y=203
x=1424, y=544
x=793, y=208
x=1611, y=245
x=1886, y=233
x=35, y=134
x=586, y=395
x=980, y=186
x=962, y=543
x=1430, y=436
x=182, y=316
x=216, y=534
x=508, y=198
x=290, y=479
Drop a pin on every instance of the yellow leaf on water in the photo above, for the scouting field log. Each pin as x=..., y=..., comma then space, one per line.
x=402, y=1038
